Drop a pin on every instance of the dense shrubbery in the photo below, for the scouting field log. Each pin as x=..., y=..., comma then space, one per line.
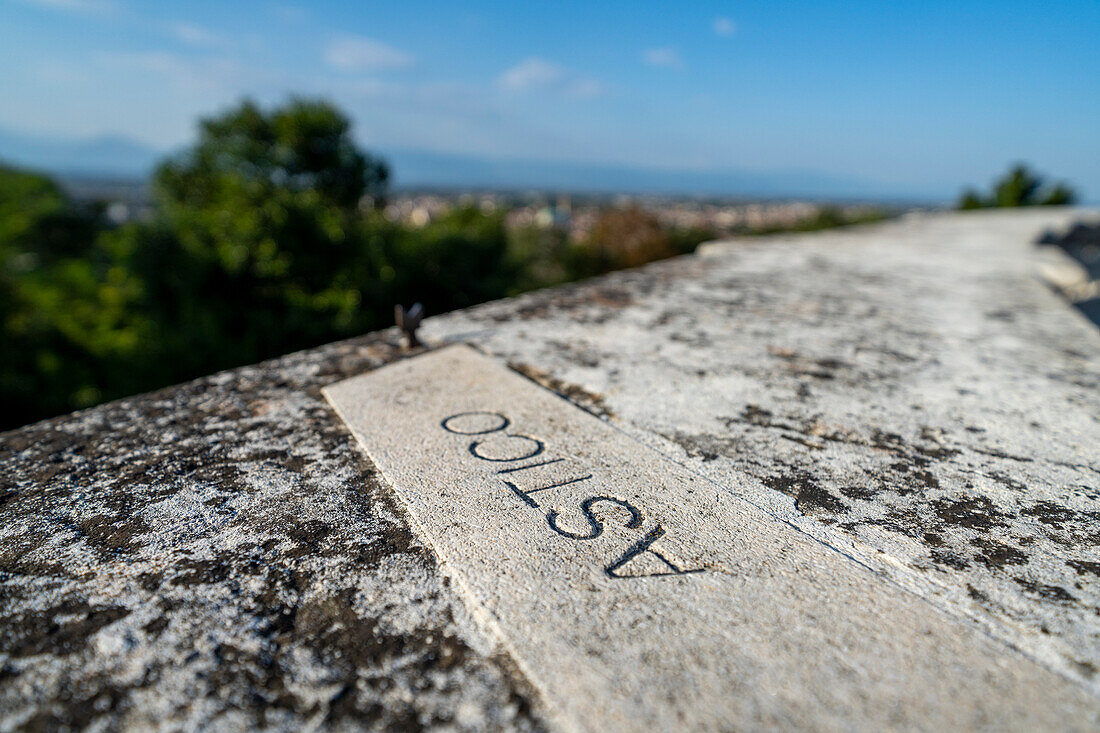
x=65, y=302
x=266, y=239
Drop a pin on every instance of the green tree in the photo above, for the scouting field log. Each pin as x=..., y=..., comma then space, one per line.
x=458, y=260
x=267, y=237
x=1018, y=187
x=1059, y=195
x=39, y=221
x=67, y=316
x=541, y=253
x=970, y=200
x=259, y=245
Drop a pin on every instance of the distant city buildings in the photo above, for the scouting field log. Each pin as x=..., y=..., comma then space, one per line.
x=576, y=214
x=573, y=213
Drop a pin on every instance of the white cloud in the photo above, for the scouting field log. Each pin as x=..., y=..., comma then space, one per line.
x=666, y=57
x=355, y=53
x=290, y=13
x=532, y=73
x=539, y=74
x=724, y=27
x=585, y=89
x=185, y=75
x=196, y=35
x=74, y=6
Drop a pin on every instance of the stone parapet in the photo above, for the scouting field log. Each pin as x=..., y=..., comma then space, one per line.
x=912, y=395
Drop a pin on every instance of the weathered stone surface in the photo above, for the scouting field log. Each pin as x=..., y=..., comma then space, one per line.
x=221, y=554
x=635, y=594
x=911, y=392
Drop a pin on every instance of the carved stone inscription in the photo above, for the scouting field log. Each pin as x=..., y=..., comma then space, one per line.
x=526, y=464
x=636, y=595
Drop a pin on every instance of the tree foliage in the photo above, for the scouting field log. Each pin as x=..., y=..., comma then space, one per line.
x=1018, y=187
x=66, y=304
x=266, y=238
x=259, y=227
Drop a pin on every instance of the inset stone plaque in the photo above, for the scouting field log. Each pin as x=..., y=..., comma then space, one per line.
x=635, y=594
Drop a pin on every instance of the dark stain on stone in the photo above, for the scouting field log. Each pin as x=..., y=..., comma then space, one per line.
x=150, y=581
x=811, y=444
x=885, y=440
x=57, y=631
x=1085, y=669
x=996, y=555
x=1049, y=513
x=914, y=476
x=1049, y=592
x=330, y=627
x=826, y=368
x=308, y=535
x=976, y=512
x=814, y=373
x=357, y=649
x=1007, y=481
x=247, y=679
x=390, y=542
x=917, y=453
x=994, y=453
x=976, y=594
x=894, y=443
x=588, y=401
x=1084, y=566
x=756, y=415
x=706, y=455
x=16, y=559
x=345, y=707
x=859, y=492
x=80, y=709
x=708, y=447
x=900, y=519
x=199, y=572
x=810, y=497
x=948, y=559
x=157, y=625
x=113, y=535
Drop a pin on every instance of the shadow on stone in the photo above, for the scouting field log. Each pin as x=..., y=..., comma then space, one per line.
x=1082, y=243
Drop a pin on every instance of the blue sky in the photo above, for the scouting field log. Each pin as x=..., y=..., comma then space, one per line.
x=921, y=98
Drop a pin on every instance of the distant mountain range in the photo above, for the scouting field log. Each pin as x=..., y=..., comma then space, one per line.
x=115, y=157
x=108, y=156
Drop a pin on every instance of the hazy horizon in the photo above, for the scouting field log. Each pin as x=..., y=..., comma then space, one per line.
x=113, y=157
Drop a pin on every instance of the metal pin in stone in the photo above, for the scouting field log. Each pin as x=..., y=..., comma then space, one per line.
x=408, y=321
